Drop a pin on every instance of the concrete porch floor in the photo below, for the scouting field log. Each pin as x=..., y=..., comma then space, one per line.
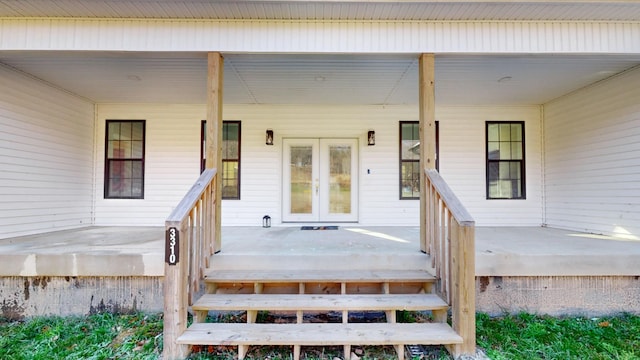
x=139, y=251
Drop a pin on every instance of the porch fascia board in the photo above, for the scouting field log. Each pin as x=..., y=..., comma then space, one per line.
x=320, y=36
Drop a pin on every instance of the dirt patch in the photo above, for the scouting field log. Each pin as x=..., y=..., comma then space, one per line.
x=12, y=311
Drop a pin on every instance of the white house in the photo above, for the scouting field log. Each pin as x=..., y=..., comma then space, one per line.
x=317, y=74
x=537, y=108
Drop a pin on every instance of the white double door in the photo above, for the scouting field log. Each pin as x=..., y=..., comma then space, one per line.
x=320, y=181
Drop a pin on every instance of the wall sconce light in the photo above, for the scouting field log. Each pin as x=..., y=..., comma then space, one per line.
x=371, y=138
x=269, y=137
x=266, y=221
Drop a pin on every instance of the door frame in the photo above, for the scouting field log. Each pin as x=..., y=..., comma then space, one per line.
x=320, y=204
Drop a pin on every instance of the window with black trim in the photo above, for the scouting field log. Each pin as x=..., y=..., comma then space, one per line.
x=505, y=160
x=124, y=159
x=410, y=158
x=230, y=157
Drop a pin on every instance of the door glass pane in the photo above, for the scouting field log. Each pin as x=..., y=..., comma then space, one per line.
x=340, y=179
x=301, y=179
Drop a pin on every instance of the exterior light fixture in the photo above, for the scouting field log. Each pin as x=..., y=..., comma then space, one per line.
x=269, y=137
x=266, y=221
x=371, y=138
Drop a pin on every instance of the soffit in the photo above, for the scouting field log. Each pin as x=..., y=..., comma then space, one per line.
x=442, y=10
x=113, y=77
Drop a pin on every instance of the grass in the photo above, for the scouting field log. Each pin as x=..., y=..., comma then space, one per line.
x=523, y=336
x=527, y=336
x=102, y=336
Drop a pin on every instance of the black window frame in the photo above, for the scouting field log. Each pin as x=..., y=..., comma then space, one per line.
x=203, y=138
x=401, y=160
x=521, y=162
x=108, y=162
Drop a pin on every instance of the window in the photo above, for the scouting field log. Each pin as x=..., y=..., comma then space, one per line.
x=505, y=160
x=230, y=157
x=410, y=158
x=124, y=159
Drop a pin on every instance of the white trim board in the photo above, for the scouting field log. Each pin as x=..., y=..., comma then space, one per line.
x=321, y=36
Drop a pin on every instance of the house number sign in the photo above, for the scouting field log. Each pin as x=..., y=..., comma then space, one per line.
x=172, y=246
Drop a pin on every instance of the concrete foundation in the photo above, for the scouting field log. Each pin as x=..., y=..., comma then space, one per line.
x=23, y=297
x=558, y=295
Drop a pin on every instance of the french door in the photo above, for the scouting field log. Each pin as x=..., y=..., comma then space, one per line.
x=320, y=180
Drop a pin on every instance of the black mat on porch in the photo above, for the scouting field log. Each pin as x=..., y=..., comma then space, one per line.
x=319, y=228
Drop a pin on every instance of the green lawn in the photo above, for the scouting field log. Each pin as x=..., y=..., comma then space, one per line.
x=102, y=336
x=524, y=336
x=528, y=336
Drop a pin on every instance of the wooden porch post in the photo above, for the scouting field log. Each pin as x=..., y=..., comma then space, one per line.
x=427, y=136
x=215, y=71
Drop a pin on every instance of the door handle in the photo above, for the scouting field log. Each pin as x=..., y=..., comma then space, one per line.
x=317, y=186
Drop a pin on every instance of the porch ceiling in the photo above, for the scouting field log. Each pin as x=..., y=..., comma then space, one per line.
x=565, y=10
x=117, y=77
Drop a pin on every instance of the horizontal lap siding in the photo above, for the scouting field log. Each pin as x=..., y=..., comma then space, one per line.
x=173, y=146
x=262, y=165
x=593, y=158
x=46, y=157
x=463, y=163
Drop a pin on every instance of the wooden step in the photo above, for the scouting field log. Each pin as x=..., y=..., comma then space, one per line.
x=309, y=276
x=322, y=302
x=340, y=259
x=320, y=334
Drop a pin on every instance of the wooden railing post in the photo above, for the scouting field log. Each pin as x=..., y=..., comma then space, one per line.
x=463, y=273
x=187, y=249
x=451, y=244
x=175, y=293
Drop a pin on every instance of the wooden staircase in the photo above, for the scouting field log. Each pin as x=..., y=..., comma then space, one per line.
x=304, y=285
x=311, y=291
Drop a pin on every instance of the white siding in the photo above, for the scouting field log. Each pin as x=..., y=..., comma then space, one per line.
x=592, y=158
x=172, y=160
x=299, y=36
x=46, y=157
x=172, y=147
x=463, y=163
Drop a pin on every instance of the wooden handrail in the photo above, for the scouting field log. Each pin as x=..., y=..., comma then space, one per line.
x=451, y=244
x=189, y=201
x=189, y=244
x=449, y=198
